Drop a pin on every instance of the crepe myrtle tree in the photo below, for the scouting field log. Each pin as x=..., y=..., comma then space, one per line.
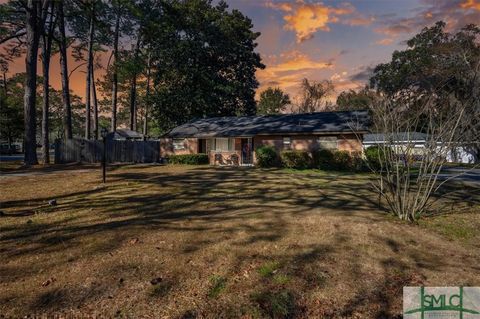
x=407, y=176
x=432, y=87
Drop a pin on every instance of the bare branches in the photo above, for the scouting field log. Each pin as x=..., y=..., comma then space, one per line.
x=313, y=95
x=414, y=146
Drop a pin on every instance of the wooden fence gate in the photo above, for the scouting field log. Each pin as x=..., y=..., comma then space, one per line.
x=91, y=151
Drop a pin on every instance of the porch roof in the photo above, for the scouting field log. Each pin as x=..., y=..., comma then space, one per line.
x=246, y=126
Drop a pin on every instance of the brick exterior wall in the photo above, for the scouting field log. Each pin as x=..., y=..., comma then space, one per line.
x=345, y=142
x=166, y=147
x=350, y=143
x=309, y=143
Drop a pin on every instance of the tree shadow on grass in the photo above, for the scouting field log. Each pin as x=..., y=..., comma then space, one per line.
x=206, y=194
x=222, y=202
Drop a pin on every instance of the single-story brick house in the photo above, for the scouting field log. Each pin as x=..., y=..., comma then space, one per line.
x=233, y=140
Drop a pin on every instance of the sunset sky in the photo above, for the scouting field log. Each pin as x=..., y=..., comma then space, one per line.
x=336, y=40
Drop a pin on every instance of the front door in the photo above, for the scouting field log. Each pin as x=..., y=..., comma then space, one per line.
x=246, y=151
x=202, y=146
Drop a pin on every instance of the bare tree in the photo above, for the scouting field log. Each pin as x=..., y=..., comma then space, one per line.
x=408, y=174
x=313, y=96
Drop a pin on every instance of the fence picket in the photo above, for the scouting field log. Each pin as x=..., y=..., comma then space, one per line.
x=91, y=151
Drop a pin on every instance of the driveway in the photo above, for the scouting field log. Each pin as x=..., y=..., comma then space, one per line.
x=464, y=174
x=11, y=158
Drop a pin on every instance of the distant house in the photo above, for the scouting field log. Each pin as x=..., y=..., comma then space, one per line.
x=233, y=140
x=127, y=135
x=416, y=141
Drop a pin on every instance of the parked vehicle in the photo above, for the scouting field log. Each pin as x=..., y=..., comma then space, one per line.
x=9, y=150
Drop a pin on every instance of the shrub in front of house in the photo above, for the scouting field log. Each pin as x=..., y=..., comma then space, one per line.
x=358, y=162
x=342, y=161
x=322, y=159
x=337, y=160
x=266, y=156
x=375, y=155
x=188, y=159
x=295, y=159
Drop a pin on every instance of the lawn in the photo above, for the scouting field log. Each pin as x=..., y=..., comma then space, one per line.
x=204, y=242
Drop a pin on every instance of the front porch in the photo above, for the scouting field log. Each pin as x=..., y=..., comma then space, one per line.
x=231, y=151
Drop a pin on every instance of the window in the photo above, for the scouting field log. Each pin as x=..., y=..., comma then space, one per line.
x=287, y=142
x=178, y=144
x=224, y=144
x=327, y=142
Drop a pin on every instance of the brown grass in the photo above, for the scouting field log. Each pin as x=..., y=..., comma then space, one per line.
x=186, y=242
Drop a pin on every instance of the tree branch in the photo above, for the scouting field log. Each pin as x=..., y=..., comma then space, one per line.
x=17, y=35
x=74, y=69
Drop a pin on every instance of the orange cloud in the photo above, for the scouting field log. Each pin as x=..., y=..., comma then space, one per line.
x=297, y=62
x=339, y=77
x=386, y=41
x=306, y=19
x=360, y=20
x=471, y=4
x=284, y=6
x=287, y=73
x=393, y=30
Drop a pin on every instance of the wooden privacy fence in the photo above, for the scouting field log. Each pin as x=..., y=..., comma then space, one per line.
x=91, y=151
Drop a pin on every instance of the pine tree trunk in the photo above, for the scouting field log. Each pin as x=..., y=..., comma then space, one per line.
x=32, y=41
x=95, y=106
x=10, y=142
x=67, y=119
x=115, y=75
x=46, y=54
x=5, y=83
x=133, y=92
x=89, y=74
x=147, y=96
x=4, y=88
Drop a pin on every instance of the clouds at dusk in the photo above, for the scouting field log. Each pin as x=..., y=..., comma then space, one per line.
x=307, y=18
x=385, y=41
x=342, y=40
x=284, y=70
x=454, y=12
x=471, y=4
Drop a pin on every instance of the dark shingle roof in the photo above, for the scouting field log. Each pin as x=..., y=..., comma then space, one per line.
x=321, y=122
x=397, y=137
x=127, y=134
